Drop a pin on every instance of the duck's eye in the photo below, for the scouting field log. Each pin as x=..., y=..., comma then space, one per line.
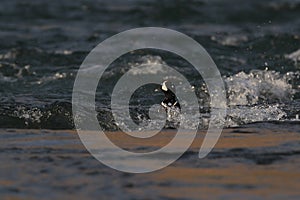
x=169, y=104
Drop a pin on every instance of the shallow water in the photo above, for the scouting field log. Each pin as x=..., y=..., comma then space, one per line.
x=250, y=162
x=254, y=44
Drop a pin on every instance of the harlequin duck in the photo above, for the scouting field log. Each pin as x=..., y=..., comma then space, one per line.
x=170, y=100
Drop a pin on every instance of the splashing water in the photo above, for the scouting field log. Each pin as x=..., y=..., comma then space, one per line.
x=258, y=87
x=260, y=95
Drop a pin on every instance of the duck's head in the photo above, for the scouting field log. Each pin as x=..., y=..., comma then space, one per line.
x=167, y=86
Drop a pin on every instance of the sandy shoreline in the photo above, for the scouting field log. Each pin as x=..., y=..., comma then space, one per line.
x=247, y=163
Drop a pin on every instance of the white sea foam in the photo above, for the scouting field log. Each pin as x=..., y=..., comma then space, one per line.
x=259, y=86
x=149, y=65
x=295, y=56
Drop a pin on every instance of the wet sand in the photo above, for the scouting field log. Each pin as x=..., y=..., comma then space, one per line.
x=260, y=161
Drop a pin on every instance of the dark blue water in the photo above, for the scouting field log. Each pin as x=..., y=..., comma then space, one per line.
x=255, y=44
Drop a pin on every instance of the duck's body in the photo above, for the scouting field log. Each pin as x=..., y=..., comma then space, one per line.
x=170, y=100
x=171, y=105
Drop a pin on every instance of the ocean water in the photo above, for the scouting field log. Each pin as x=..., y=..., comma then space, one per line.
x=255, y=44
